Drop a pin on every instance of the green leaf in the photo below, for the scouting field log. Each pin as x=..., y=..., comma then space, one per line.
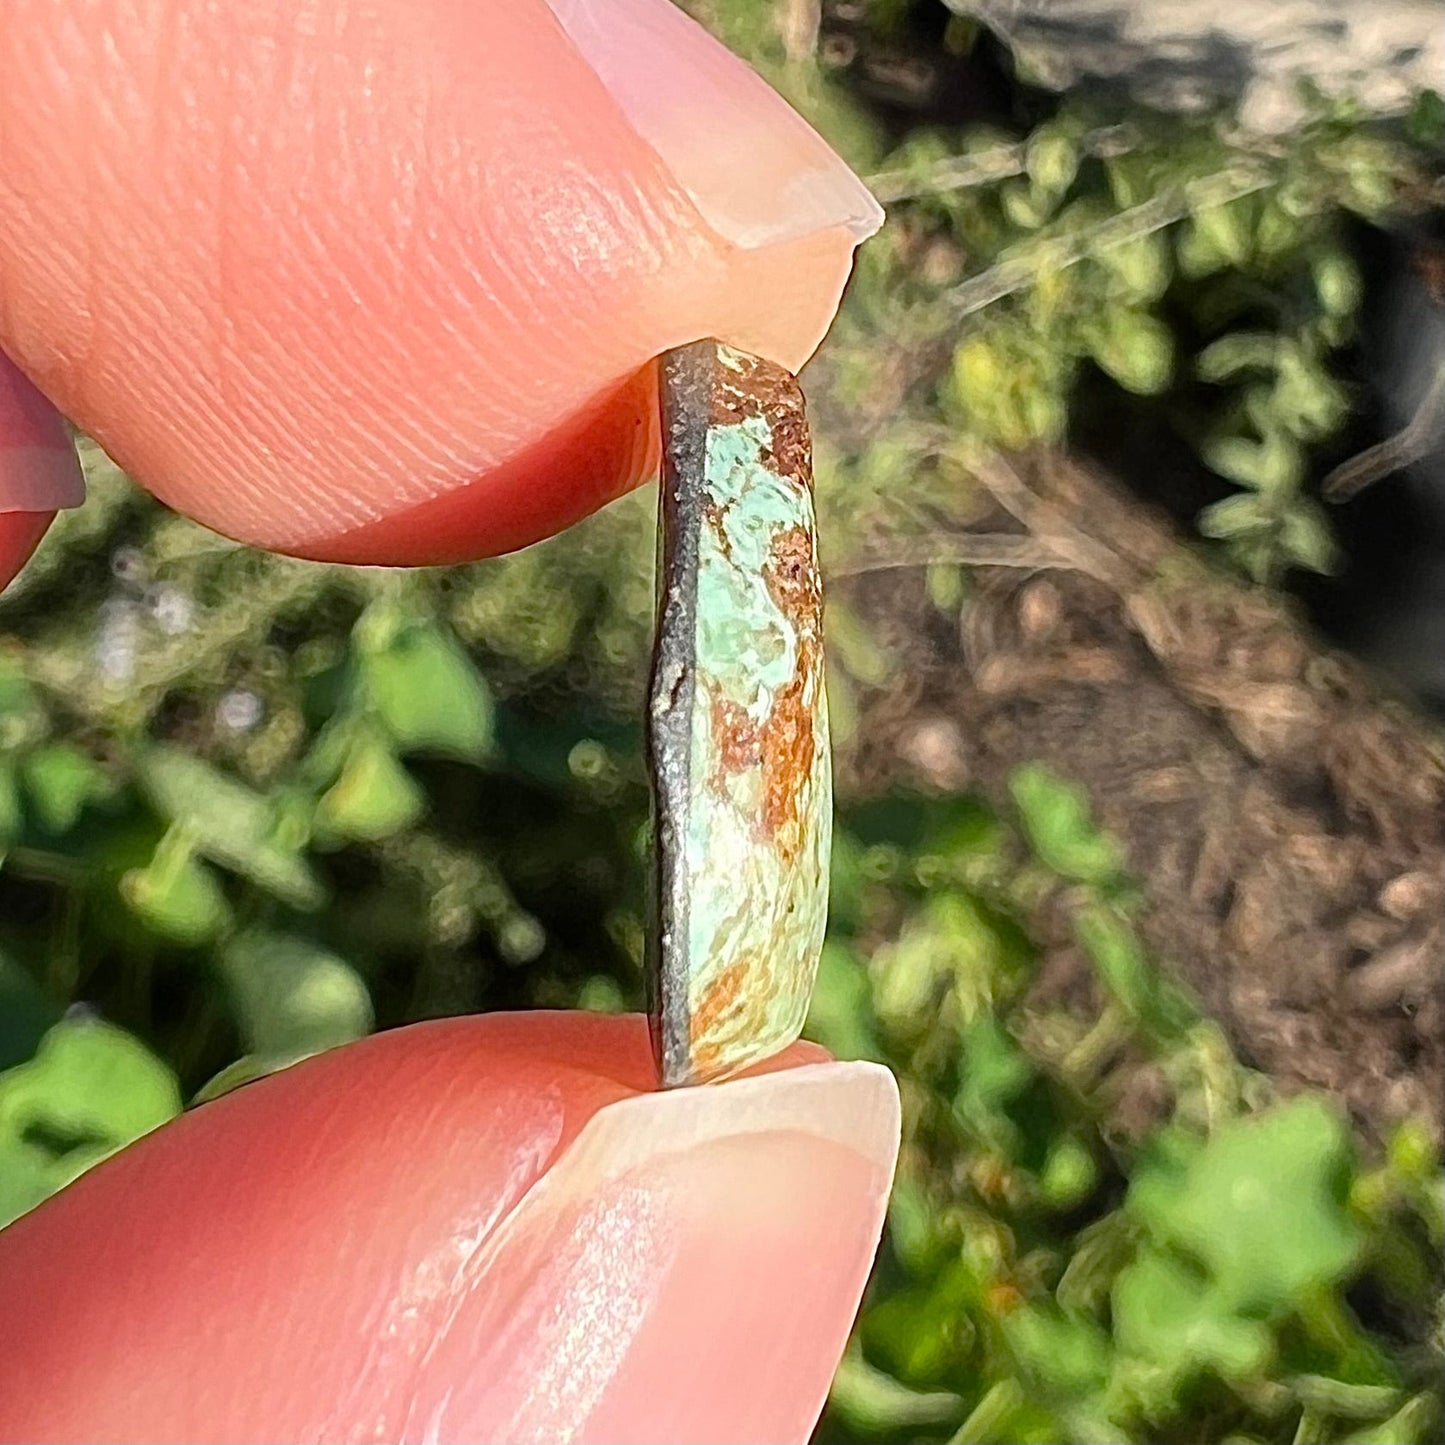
x=1142, y=268
x=1279, y=233
x=1070, y=1174
x=602, y=994
x=1426, y=121
x=1239, y=351
x=951, y=944
x=1064, y=1354
x=1257, y=556
x=229, y=823
x=1115, y=951
x=373, y=798
x=1052, y=159
x=996, y=1072
x=16, y=694
x=840, y=1015
x=1371, y=173
x=1100, y=1251
x=1223, y=1209
x=1228, y=229
x=1167, y=1314
x=1043, y=415
x=918, y=1332
x=1306, y=538
x=917, y=1241
x=428, y=695
x=176, y=897
x=947, y=586
x=90, y=1089
x=992, y=1420
x=1057, y=820
x=1414, y=1423
x=291, y=996
x=1236, y=458
x=12, y=814
x=1274, y=465
x=1235, y=516
x=1198, y=255
x=1306, y=399
x=979, y=372
x=1136, y=349
x=60, y=781
x=912, y=984
x=1337, y=283
x=246, y=1070
x=872, y=1401
x=1411, y=1153
x=91, y=1078
x=856, y=647
x=1025, y=206
x=1341, y=1397
x=1131, y=179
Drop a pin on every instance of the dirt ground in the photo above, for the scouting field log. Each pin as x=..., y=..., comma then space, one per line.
x=1282, y=813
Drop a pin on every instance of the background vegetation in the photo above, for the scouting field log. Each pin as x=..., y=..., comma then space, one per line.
x=252, y=808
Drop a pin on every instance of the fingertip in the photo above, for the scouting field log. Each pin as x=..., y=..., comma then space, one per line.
x=435, y=355
x=688, y=1270
x=449, y=1231
x=20, y=534
x=758, y=173
x=608, y=447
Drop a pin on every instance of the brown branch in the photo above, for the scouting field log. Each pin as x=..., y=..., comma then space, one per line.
x=1413, y=443
x=798, y=24
x=998, y=163
x=1048, y=525
x=1026, y=263
x=968, y=549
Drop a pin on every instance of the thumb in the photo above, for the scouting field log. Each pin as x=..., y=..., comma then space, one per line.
x=474, y=1229
x=382, y=281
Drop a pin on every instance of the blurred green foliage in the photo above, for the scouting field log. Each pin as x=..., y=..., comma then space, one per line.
x=1049, y=1274
x=251, y=808
x=1180, y=264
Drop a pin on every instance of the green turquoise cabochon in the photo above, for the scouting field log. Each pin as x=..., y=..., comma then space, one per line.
x=737, y=719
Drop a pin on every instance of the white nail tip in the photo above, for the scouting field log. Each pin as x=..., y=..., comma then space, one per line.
x=854, y=1105
x=708, y=116
x=851, y=1104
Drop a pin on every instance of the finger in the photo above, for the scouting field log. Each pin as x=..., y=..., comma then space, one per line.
x=38, y=469
x=476, y=1229
x=20, y=534
x=385, y=285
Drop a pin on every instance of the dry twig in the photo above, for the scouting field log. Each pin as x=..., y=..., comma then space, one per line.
x=1413, y=443
x=1026, y=263
x=998, y=163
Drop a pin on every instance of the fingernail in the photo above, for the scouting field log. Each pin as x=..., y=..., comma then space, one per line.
x=688, y=1270
x=757, y=172
x=39, y=471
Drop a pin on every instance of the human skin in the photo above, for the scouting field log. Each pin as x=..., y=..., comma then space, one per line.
x=486, y=1228
x=384, y=281
x=387, y=286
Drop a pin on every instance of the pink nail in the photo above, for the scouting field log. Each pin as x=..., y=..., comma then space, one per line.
x=39, y=471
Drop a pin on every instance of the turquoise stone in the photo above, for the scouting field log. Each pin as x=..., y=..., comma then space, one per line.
x=737, y=719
